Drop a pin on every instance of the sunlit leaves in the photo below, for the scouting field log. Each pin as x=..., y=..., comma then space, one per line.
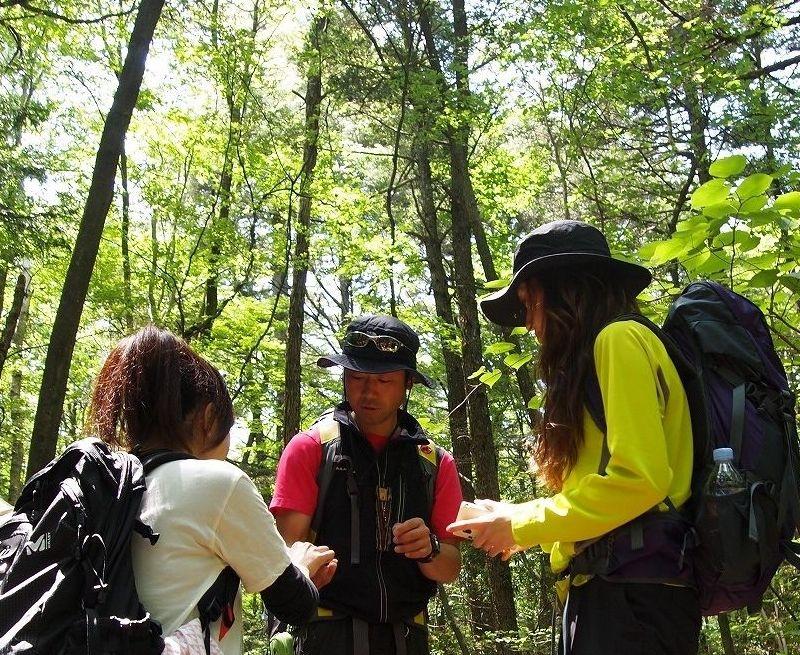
x=753, y=186
x=728, y=166
x=711, y=193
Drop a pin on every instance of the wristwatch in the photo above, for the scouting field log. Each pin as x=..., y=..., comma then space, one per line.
x=436, y=548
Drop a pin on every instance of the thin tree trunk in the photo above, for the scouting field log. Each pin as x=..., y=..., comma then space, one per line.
x=13, y=317
x=3, y=281
x=484, y=454
x=346, y=292
x=16, y=402
x=313, y=103
x=101, y=192
x=725, y=634
x=474, y=563
x=126, y=226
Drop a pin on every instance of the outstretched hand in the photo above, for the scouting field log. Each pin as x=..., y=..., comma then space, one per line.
x=317, y=560
x=491, y=532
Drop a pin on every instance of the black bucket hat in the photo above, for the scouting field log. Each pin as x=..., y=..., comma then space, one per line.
x=369, y=358
x=559, y=244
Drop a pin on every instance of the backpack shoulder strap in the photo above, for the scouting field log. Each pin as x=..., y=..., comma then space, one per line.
x=430, y=455
x=593, y=395
x=330, y=442
x=151, y=460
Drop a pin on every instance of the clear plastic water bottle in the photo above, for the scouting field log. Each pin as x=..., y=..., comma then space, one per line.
x=725, y=479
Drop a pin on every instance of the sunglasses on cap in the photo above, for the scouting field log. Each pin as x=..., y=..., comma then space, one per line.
x=383, y=342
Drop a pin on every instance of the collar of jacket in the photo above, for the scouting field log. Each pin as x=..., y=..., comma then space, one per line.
x=408, y=428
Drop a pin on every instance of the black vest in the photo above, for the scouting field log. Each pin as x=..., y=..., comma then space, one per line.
x=383, y=586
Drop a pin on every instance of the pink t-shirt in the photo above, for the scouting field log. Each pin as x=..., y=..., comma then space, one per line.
x=296, y=482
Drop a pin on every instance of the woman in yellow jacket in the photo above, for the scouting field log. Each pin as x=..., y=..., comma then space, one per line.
x=631, y=594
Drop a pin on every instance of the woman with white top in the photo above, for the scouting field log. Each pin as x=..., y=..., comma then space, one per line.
x=154, y=393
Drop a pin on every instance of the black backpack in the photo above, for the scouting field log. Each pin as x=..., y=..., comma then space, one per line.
x=739, y=397
x=67, y=584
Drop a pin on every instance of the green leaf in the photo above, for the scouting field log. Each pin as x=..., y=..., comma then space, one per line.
x=647, y=251
x=763, y=279
x=720, y=209
x=497, y=284
x=790, y=201
x=714, y=263
x=516, y=360
x=747, y=241
x=754, y=185
x=535, y=402
x=490, y=377
x=519, y=330
x=791, y=281
x=710, y=193
x=667, y=250
x=752, y=205
x=728, y=166
x=499, y=347
x=477, y=373
x=764, y=217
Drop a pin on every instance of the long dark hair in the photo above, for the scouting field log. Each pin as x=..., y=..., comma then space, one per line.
x=578, y=303
x=148, y=385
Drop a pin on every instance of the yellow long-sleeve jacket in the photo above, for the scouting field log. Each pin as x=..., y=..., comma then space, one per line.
x=649, y=436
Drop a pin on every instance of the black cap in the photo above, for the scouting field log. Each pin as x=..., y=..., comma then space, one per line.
x=371, y=360
x=559, y=244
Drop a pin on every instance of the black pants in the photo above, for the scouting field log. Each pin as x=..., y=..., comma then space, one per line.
x=612, y=618
x=335, y=637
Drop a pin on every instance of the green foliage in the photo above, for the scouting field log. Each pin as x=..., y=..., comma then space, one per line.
x=585, y=110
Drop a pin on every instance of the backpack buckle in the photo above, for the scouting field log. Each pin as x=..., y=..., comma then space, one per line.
x=99, y=592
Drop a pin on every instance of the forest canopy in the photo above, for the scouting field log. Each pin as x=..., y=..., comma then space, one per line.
x=253, y=174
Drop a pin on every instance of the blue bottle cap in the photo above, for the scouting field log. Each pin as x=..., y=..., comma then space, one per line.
x=723, y=455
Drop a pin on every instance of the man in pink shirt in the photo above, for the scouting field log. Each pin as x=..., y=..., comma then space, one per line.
x=366, y=481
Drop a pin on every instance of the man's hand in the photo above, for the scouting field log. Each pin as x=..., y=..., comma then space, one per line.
x=412, y=538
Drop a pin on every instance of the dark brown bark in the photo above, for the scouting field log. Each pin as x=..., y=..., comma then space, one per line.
x=17, y=406
x=13, y=317
x=474, y=564
x=462, y=207
x=698, y=124
x=728, y=646
x=313, y=103
x=454, y=370
x=101, y=192
x=3, y=280
x=346, y=292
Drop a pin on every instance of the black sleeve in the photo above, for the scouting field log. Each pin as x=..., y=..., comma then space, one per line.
x=292, y=598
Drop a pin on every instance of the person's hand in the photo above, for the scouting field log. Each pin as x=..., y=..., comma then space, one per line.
x=412, y=538
x=312, y=558
x=325, y=574
x=491, y=532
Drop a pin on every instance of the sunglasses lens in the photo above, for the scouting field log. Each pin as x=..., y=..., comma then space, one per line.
x=387, y=344
x=356, y=339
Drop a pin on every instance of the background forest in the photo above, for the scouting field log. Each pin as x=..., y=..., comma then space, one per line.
x=289, y=165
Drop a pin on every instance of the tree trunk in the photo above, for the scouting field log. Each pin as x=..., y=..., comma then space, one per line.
x=464, y=210
x=13, y=317
x=3, y=280
x=474, y=563
x=313, y=102
x=101, y=192
x=18, y=410
x=346, y=292
x=126, y=226
x=725, y=634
